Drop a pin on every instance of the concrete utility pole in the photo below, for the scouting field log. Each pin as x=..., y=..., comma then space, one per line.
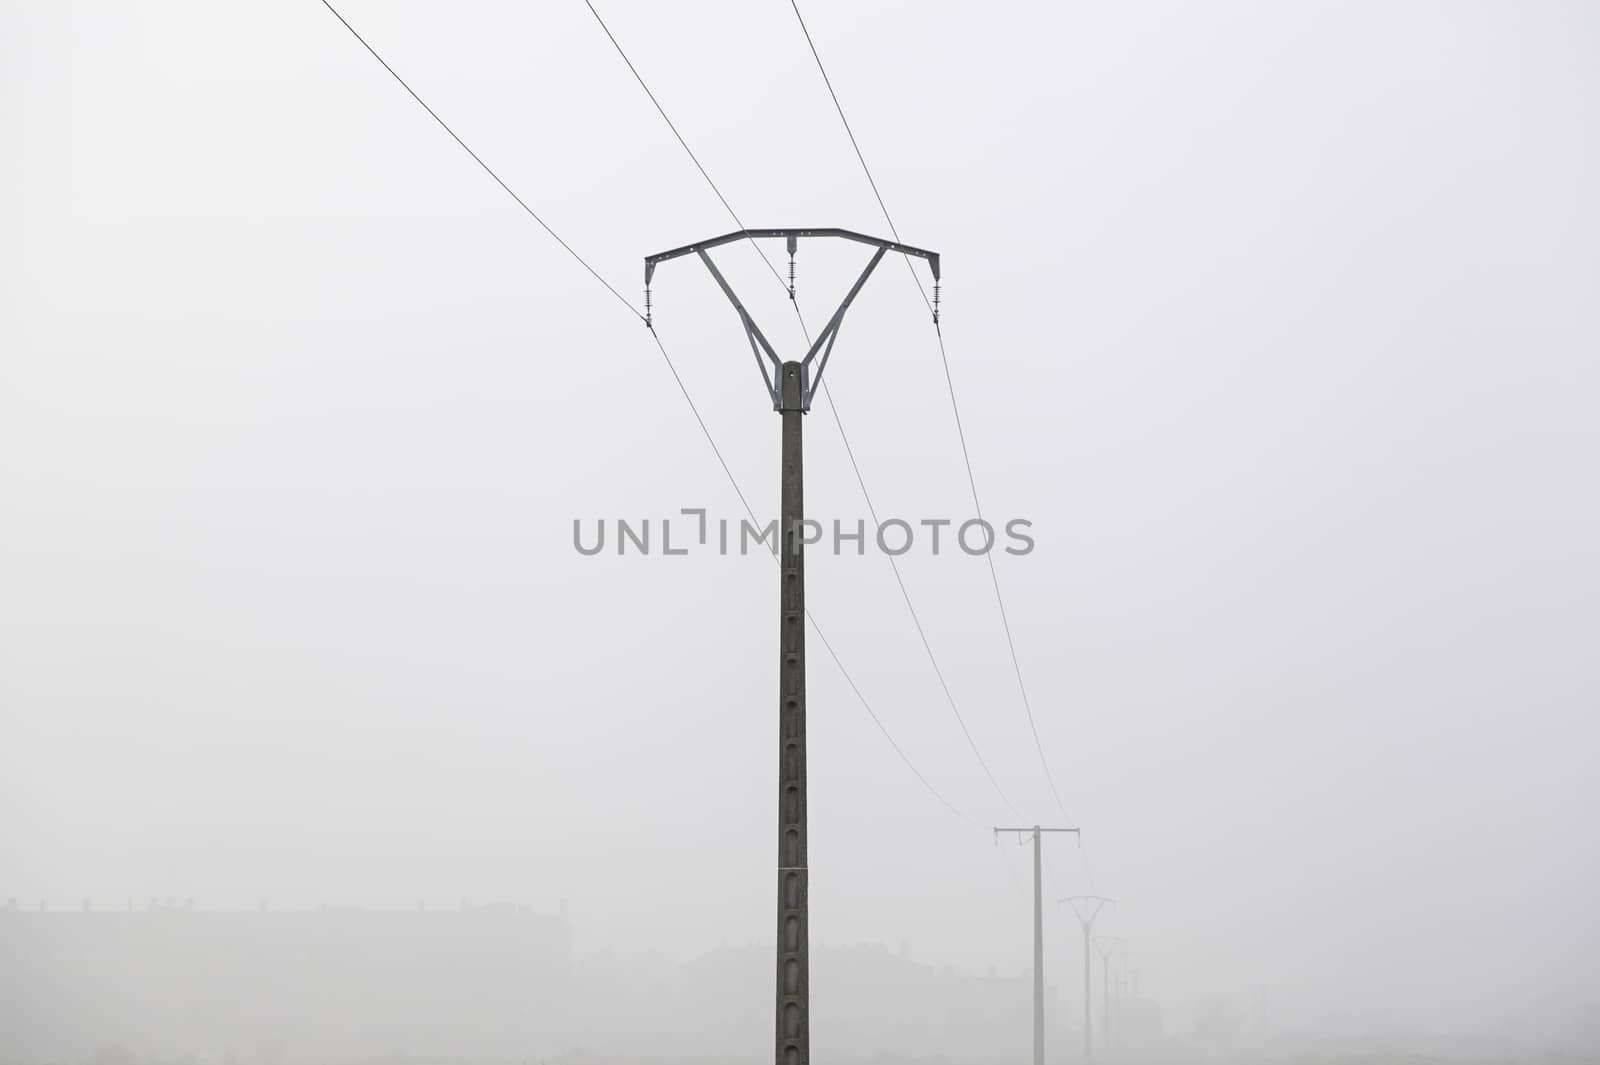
x=1081, y=905
x=1106, y=945
x=790, y=385
x=1038, y=933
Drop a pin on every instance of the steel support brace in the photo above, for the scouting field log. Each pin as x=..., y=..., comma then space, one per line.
x=794, y=995
x=758, y=339
x=767, y=361
x=830, y=333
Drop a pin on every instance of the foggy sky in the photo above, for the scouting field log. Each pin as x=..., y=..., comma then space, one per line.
x=1277, y=320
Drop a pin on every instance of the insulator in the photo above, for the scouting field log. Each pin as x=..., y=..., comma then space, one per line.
x=791, y=275
x=647, y=316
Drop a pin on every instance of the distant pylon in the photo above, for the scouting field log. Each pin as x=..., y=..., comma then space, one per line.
x=1086, y=916
x=1106, y=945
x=1038, y=934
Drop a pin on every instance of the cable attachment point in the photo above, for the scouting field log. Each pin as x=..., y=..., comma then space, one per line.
x=649, y=322
x=936, y=303
x=793, y=244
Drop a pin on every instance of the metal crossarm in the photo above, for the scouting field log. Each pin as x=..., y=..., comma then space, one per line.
x=650, y=261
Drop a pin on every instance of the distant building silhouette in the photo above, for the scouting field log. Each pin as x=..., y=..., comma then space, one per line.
x=485, y=983
x=324, y=984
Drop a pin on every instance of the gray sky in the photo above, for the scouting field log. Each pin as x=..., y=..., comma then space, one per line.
x=1276, y=319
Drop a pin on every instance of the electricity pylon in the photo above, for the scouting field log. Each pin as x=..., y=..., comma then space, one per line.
x=1038, y=934
x=1086, y=917
x=790, y=385
x=1106, y=945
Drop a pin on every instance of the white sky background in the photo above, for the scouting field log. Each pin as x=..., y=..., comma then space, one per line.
x=1277, y=319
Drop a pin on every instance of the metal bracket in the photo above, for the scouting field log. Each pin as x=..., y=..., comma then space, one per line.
x=809, y=382
x=1100, y=902
x=768, y=364
x=758, y=340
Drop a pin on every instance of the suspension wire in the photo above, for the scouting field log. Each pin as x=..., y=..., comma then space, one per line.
x=865, y=706
x=1005, y=617
x=688, y=150
x=1010, y=862
x=955, y=409
x=994, y=579
x=816, y=628
x=693, y=408
x=837, y=106
x=486, y=168
x=833, y=408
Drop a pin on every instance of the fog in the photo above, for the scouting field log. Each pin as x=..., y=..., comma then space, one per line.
x=1276, y=323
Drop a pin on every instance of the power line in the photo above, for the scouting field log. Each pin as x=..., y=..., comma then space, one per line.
x=688, y=150
x=868, y=708
x=955, y=408
x=661, y=110
x=693, y=408
x=865, y=705
x=837, y=106
x=486, y=168
x=833, y=408
x=994, y=578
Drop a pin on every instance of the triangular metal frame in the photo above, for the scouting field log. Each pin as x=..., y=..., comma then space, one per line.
x=768, y=364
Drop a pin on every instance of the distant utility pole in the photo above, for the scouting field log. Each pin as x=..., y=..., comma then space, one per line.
x=1038, y=935
x=790, y=385
x=1087, y=907
x=1106, y=945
